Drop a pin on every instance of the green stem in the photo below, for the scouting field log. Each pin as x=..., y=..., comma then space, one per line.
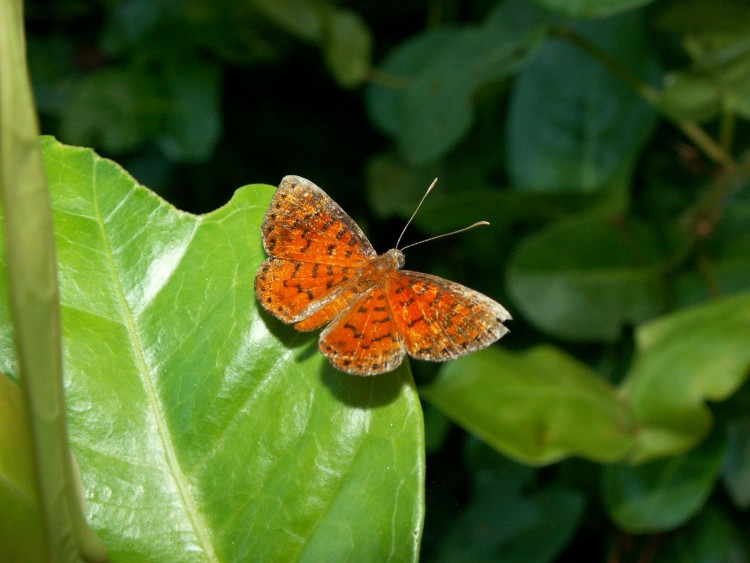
x=32, y=279
x=701, y=218
x=690, y=129
x=708, y=272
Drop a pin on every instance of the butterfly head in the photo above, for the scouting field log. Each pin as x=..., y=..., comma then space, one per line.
x=395, y=259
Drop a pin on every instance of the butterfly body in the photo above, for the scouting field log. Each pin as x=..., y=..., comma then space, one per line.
x=322, y=270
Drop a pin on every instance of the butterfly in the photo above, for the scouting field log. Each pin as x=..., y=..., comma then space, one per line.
x=322, y=270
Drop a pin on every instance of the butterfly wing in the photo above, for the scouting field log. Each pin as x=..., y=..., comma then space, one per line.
x=304, y=224
x=364, y=339
x=305, y=293
x=441, y=320
x=315, y=248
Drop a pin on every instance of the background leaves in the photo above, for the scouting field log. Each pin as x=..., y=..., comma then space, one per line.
x=539, y=406
x=444, y=71
x=593, y=263
x=580, y=131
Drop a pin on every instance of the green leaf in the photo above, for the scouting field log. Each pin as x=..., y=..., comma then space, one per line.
x=736, y=473
x=300, y=18
x=20, y=534
x=121, y=108
x=203, y=428
x=715, y=36
x=193, y=119
x=115, y=108
x=505, y=522
x=702, y=94
x=691, y=95
x=440, y=72
x=684, y=359
x=347, y=47
x=394, y=188
x=342, y=34
x=538, y=406
x=710, y=536
x=662, y=495
x=590, y=8
x=385, y=103
x=583, y=278
x=580, y=130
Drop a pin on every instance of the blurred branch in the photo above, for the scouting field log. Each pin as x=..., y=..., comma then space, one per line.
x=387, y=80
x=700, y=220
x=714, y=150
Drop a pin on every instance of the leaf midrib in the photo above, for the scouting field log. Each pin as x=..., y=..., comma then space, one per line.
x=180, y=480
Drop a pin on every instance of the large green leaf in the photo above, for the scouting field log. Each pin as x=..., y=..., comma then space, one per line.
x=683, y=360
x=537, y=407
x=580, y=130
x=205, y=430
x=583, y=278
x=702, y=95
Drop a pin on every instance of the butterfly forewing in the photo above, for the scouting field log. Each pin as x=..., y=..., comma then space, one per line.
x=315, y=249
x=304, y=224
x=441, y=320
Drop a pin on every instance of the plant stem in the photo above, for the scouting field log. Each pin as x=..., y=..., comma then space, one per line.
x=690, y=129
x=32, y=279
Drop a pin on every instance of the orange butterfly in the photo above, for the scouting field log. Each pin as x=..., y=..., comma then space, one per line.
x=323, y=270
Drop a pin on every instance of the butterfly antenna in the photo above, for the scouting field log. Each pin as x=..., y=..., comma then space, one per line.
x=415, y=212
x=477, y=224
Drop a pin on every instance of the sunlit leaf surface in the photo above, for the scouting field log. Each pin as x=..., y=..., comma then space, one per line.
x=205, y=430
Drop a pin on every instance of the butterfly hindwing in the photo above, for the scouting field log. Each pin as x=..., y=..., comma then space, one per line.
x=364, y=339
x=330, y=309
x=441, y=320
